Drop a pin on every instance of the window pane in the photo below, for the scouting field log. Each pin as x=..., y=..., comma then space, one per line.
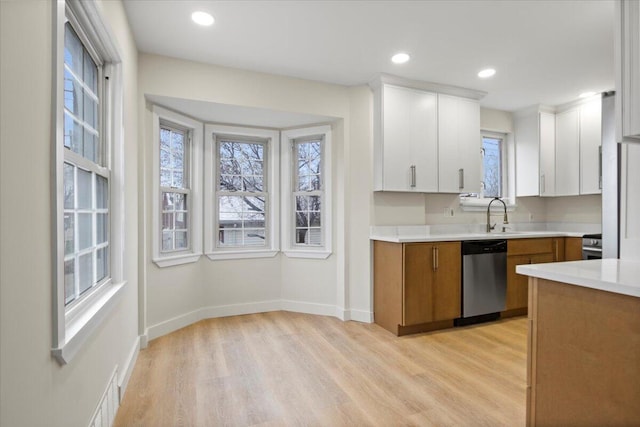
x=254, y=184
x=165, y=139
x=84, y=231
x=314, y=219
x=315, y=236
x=167, y=240
x=304, y=183
x=301, y=235
x=167, y=221
x=102, y=223
x=90, y=73
x=85, y=274
x=229, y=167
x=180, y=201
x=181, y=221
x=102, y=263
x=254, y=237
x=102, y=192
x=73, y=50
x=167, y=201
x=230, y=237
x=181, y=239
x=178, y=180
x=90, y=111
x=302, y=219
x=69, y=234
x=84, y=189
x=230, y=183
x=90, y=149
x=492, y=166
x=72, y=94
x=69, y=281
x=68, y=186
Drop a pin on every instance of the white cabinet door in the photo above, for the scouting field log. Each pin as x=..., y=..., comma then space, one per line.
x=527, y=144
x=409, y=140
x=568, y=153
x=459, y=145
x=591, y=147
x=547, y=137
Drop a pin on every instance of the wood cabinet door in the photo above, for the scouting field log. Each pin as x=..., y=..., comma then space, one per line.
x=558, y=249
x=447, y=281
x=573, y=249
x=418, y=284
x=517, y=289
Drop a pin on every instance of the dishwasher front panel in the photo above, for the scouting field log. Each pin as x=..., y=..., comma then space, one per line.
x=484, y=283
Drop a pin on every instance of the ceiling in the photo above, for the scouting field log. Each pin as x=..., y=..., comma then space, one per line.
x=544, y=51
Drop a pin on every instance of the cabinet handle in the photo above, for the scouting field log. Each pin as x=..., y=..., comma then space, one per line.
x=460, y=179
x=413, y=176
x=600, y=167
x=542, y=185
x=436, y=258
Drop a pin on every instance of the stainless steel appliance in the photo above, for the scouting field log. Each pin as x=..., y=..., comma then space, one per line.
x=484, y=280
x=592, y=246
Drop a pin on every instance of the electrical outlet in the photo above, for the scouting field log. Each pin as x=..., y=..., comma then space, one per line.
x=448, y=212
x=530, y=217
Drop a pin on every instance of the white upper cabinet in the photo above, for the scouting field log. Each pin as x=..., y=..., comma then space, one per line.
x=535, y=138
x=547, y=132
x=425, y=141
x=459, y=145
x=627, y=70
x=591, y=147
x=568, y=153
x=406, y=144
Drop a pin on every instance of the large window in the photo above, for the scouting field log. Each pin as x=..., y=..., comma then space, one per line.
x=306, y=198
x=87, y=160
x=174, y=188
x=492, y=166
x=177, y=148
x=85, y=172
x=242, y=204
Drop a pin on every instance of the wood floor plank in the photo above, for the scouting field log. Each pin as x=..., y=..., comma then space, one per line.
x=293, y=369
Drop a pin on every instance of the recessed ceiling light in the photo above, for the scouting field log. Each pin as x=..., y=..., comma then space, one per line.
x=400, y=58
x=202, y=18
x=486, y=73
x=587, y=94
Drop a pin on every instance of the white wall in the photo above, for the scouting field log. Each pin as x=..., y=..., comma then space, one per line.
x=176, y=296
x=34, y=389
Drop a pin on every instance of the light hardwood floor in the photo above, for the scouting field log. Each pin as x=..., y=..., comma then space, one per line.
x=285, y=368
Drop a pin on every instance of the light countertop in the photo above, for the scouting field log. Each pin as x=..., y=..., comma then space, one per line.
x=611, y=275
x=444, y=237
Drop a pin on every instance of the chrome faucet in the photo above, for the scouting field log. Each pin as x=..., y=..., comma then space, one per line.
x=506, y=219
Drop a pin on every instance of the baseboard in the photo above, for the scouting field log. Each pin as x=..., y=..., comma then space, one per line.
x=168, y=326
x=128, y=369
x=187, y=319
x=239, y=309
x=360, y=316
x=311, y=308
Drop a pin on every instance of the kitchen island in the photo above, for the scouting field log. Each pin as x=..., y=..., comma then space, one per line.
x=584, y=343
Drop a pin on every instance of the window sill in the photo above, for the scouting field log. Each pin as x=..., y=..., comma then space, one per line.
x=307, y=254
x=473, y=204
x=169, y=261
x=90, y=315
x=215, y=256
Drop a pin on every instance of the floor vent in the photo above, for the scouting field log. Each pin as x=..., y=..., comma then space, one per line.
x=105, y=415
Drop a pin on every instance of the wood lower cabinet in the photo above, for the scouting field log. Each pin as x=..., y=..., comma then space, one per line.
x=583, y=353
x=417, y=286
x=527, y=251
x=573, y=249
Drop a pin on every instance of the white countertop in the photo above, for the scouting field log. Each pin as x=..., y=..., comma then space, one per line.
x=444, y=237
x=611, y=275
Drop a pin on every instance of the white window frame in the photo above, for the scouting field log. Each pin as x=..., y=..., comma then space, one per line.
x=477, y=201
x=74, y=324
x=272, y=222
x=289, y=248
x=194, y=178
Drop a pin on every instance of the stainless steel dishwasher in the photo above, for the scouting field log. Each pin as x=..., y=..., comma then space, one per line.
x=484, y=280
